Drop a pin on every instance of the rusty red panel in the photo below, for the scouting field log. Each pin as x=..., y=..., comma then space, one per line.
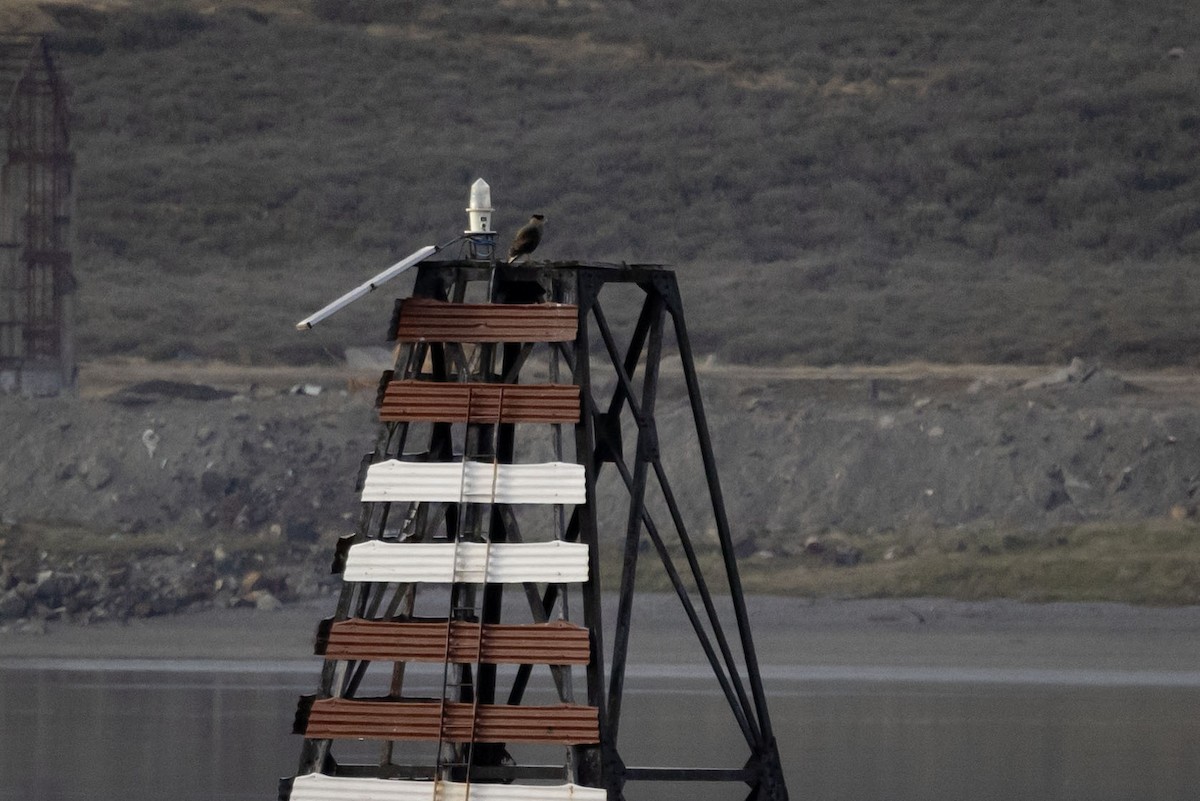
x=558, y=643
x=436, y=402
x=422, y=319
x=380, y=719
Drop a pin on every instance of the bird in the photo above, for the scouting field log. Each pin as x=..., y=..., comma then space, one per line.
x=527, y=239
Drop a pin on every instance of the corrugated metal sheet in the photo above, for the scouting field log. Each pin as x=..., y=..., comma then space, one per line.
x=558, y=643
x=549, y=482
x=423, y=319
x=318, y=787
x=437, y=402
x=507, y=562
x=378, y=719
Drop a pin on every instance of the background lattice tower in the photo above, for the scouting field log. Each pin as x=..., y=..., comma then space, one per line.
x=37, y=286
x=450, y=488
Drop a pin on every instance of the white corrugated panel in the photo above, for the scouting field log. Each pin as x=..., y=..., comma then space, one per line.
x=319, y=787
x=550, y=482
x=507, y=562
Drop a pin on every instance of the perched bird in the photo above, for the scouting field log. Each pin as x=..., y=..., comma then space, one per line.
x=527, y=239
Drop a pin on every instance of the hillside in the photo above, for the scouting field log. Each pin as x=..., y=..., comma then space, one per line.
x=150, y=494
x=984, y=182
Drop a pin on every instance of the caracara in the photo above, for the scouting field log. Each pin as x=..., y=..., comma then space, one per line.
x=527, y=239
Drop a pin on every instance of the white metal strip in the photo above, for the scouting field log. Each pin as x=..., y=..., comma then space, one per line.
x=368, y=287
x=551, y=482
x=507, y=562
x=319, y=787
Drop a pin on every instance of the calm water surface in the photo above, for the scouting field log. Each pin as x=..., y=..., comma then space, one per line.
x=134, y=731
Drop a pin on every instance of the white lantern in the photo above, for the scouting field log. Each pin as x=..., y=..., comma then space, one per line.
x=479, y=209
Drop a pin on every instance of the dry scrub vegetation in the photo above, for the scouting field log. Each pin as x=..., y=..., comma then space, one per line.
x=986, y=182
x=1153, y=563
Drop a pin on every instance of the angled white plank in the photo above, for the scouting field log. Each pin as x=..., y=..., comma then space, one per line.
x=368, y=287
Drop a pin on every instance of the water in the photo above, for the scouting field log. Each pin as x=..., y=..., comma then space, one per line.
x=129, y=731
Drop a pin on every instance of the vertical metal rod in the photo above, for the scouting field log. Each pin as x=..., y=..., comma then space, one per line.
x=718, y=504
x=585, y=518
x=637, y=500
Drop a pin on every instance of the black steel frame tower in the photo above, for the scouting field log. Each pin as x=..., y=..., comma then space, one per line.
x=630, y=324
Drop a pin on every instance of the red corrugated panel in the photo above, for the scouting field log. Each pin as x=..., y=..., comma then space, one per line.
x=377, y=719
x=422, y=319
x=435, y=402
x=558, y=643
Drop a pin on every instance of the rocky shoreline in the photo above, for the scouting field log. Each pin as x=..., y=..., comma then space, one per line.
x=40, y=589
x=192, y=495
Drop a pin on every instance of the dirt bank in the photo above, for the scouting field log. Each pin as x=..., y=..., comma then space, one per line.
x=220, y=455
x=800, y=451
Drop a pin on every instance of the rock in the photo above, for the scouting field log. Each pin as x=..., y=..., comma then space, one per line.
x=97, y=471
x=813, y=545
x=1055, y=498
x=1124, y=480
x=846, y=555
x=12, y=605
x=303, y=531
x=1016, y=542
x=266, y=602
x=898, y=552
x=214, y=484
x=251, y=581
x=45, y=612
x=275, y=581
x=1077, y=372
x=150, y=440
x=55, y=588
x=135, y=526
x=984, y=382
x=745, y=548
x=1182, y=512
x=34, y=628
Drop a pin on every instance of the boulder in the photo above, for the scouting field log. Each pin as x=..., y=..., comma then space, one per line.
x=12, y=605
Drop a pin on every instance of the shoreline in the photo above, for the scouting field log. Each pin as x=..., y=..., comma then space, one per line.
x=818, y=638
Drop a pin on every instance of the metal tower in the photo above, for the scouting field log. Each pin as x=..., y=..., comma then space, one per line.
x=37, y=286
x=497, y=422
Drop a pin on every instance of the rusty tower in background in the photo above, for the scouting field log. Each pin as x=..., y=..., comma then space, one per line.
x=37, y=354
